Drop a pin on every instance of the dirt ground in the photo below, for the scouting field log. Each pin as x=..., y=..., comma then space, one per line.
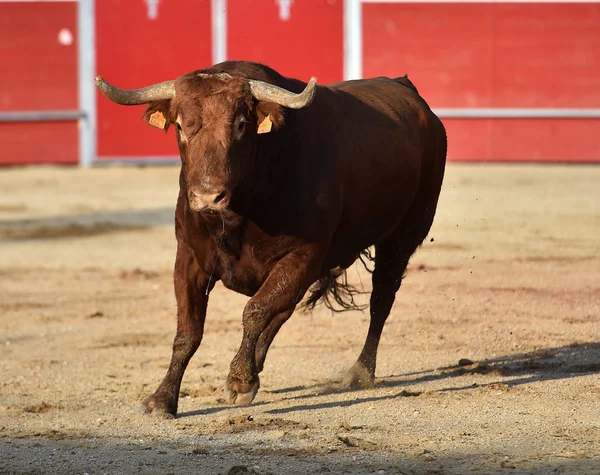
x=488, y=364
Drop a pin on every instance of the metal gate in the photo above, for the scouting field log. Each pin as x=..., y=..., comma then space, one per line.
x=46, y=101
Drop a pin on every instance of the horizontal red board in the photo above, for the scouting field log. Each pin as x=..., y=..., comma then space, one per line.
x=488, y=54
x=546, y=55
x=523, y=140
x=444, y=49
x=39, y=71
x=39, y=143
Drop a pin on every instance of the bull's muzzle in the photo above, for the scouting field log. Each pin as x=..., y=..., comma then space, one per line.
x=207, y=202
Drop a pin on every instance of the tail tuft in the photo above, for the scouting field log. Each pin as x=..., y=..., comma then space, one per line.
x=338, y=295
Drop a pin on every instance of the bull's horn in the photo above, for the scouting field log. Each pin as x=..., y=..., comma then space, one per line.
x=156, y=92
x=264, y=91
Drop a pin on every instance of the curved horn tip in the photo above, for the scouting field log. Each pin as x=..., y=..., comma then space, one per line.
x=100, y=82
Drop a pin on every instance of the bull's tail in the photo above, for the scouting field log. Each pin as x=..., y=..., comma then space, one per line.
x=334, y=290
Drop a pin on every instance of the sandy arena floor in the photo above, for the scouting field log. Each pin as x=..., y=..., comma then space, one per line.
x=510, y=281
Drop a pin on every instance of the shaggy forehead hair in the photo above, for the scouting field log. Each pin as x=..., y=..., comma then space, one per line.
x=211, y=99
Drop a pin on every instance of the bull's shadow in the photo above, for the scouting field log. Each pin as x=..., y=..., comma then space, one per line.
x=513, y=370
x=85, y=224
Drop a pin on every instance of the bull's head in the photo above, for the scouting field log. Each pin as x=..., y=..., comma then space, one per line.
x=217, y=118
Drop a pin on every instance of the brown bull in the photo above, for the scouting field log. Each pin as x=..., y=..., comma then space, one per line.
x=281, y=189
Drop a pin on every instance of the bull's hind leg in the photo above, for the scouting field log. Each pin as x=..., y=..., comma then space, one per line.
x=391, y=259
x=390, y=263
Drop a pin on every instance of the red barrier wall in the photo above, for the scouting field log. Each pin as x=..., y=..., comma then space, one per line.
x=513, y=55
x=38, y=73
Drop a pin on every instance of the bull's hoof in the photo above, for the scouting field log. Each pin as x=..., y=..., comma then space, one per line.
x=359, y=377
x=242, y=394
x=159, y=406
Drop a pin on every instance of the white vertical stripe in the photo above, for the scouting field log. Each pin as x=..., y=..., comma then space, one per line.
x=86, y=55
x=352, y=39
x=219, y=31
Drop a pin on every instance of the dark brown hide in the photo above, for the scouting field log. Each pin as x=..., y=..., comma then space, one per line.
x=271, y=215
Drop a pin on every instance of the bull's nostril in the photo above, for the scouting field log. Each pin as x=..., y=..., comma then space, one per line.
x=220, y=196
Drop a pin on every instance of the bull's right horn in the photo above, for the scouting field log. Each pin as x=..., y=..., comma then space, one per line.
x=264, y=91
x=132, y=97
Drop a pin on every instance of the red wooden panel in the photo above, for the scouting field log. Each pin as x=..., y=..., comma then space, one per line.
x=547, y=140
x=546, y=55
x=133, y=51
x=444, y=48
x=39, y=72
x=468, y=139
x=39, y=142
x=523, y=140
x=309, y=43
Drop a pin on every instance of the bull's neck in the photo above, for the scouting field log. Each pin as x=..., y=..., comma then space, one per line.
x=267, y=186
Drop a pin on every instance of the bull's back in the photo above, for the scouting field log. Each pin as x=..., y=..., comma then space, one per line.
x=383, y=155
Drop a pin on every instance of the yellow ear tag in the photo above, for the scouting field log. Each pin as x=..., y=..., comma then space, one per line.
x=265, y=126
x=157, y=119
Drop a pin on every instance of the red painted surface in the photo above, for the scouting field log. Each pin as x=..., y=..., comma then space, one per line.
x=459, y=55
x=444, y=49
x=546, y=55
x=38, y=73
x=309, y=43
x=496, y=55
x=28, y=143
x=471, y=138
x=523, y=140
x=552, y=140
x=134, y=51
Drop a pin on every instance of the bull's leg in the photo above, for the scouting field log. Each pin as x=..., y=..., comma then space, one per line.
x=190, y=293
x=390, y=264
x=391, y=259
x=273, y=303
x=267, y=337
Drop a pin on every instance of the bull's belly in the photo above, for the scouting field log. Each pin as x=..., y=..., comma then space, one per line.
x=245, y=274
x=240, y=280
x=352, y=238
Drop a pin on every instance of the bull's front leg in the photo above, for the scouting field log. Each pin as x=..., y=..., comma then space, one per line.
x=278, y=296
x=191, y=294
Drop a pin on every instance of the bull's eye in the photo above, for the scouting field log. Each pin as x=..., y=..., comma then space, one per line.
x=178, y=126
x=241, y=126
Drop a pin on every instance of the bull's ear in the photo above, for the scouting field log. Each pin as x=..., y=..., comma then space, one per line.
x=268, y=115
x=158, y=114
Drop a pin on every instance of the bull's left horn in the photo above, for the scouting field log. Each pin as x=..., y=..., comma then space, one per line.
x=125, y=97
x=264, y=91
